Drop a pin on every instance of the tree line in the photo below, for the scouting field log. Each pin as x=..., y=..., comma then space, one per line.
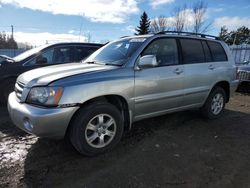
x=237, y=37
x=180, y=21
x=7, y=41
x=183, y=18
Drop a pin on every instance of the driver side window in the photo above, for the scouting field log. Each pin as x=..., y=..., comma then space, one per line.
x=46, y=57
x=165, y=51
x=43, y=58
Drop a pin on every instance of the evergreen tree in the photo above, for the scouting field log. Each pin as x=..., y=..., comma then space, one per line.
x=144, y=26
x=7, y=42
x=238, y=37
x=241, y=36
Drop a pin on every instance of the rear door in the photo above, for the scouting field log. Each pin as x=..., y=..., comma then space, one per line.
x=159, y=89
x=201, y=70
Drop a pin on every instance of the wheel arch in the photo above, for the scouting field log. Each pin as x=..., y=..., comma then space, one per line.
x=224, y=85
x=118, y=101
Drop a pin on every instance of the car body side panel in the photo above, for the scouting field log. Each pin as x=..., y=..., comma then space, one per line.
x=157, y=89
x=199, y=79
x=80, y=88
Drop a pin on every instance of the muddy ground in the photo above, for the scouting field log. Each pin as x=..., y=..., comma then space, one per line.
x=176, y=150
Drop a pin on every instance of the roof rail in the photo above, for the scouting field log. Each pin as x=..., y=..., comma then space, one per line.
x=124, y=36
x=189, y=34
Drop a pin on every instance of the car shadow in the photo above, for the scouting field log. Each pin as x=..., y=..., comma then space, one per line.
x=7, y=128
x=148, y=155
x=244, y=88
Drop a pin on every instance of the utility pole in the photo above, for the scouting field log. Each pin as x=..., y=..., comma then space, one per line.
x=12, y=31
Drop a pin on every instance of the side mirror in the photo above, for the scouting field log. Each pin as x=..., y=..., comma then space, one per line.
x=148, y=61
x=41, y=60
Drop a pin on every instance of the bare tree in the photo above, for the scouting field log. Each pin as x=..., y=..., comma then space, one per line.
x=159, y=24
x=179, y=18
x=199, y=13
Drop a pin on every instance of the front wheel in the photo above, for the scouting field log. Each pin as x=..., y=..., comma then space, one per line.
x=214, y=104
x=96, y=129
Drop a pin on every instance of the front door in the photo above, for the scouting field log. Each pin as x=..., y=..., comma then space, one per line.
x=159, y=89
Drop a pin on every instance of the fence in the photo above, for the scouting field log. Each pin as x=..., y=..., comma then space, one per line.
x=241, y=53
x=11, y=52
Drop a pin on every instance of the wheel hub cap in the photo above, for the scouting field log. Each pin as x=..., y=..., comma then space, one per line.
x=217, y=104
x=100, y=130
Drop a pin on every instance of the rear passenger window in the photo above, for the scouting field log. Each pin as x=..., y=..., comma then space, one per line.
x=83, y=52
x=62, y=55
x=217, y=51
x=192, y=51
x=207, y=52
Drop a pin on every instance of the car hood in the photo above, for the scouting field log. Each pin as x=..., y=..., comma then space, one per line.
x=46, y=75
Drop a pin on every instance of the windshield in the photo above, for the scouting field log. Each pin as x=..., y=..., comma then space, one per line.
x=28, y=53
x=116, y=53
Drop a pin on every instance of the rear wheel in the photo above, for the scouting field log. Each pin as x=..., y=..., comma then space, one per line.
x=214, y=104
x=96, y=128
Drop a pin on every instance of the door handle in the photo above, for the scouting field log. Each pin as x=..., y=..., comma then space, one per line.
x=178, y=71
x=211, y=67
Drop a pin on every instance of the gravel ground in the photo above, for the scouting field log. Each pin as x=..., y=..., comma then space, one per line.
x=176, y=150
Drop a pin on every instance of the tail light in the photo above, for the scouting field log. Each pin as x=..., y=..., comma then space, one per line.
x=237, y=73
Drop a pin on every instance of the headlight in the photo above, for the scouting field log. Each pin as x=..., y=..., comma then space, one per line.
x=46, y=96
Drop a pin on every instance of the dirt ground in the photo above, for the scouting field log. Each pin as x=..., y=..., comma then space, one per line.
x=177, y=150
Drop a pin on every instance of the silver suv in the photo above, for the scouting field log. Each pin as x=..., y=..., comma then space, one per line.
x=127, y=80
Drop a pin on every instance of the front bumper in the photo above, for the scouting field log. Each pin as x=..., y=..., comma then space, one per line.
x=43, y=122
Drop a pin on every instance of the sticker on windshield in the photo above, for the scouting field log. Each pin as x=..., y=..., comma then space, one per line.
x=137, y=40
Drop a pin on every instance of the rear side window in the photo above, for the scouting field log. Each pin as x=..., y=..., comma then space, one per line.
x=207, y=52
x=192, y=51
x=217, y=51
x=83, y=52
x=62, y=55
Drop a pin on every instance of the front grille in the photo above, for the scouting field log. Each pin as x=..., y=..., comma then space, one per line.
x=244, y=75
x=19, y=90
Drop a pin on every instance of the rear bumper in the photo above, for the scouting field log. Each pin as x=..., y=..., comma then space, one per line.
x=43, y=122
x=233, y=87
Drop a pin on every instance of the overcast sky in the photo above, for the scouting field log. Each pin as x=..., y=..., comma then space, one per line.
x=72, y=20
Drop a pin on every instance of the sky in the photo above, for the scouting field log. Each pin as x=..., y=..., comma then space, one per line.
x=48, y=21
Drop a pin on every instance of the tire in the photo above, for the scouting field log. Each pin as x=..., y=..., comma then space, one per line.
x=215, y=100
x=8, y=87
x=96, y=129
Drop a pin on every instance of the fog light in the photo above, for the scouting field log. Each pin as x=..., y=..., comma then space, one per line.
x=27, y=124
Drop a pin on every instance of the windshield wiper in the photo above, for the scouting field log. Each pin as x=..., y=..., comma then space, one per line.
x=90, y=62
x=112, y=64
x=102, y=63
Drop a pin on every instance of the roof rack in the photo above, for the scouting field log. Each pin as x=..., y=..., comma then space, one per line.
x=189, y=34
x=124, y=36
